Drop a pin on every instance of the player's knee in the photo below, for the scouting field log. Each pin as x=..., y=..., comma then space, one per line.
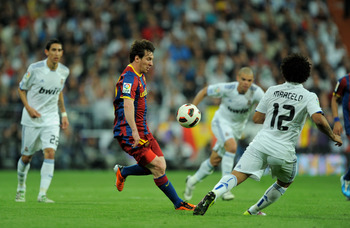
x=26, y=159
x=283, y=184
x=215, y=161
x=159, y=168
x=49, y=153
x=231, y=146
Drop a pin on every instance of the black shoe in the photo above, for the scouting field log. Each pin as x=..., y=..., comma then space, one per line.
x=204, y=204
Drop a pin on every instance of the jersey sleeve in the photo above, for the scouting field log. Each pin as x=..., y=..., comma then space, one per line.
x=262, y=106
x=130, y=85
x=27, y=79
x=340, y=87
x=258, y=95
x=313, y=105
x=219, y=90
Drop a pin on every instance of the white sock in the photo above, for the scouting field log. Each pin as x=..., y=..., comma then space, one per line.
x=227, y=163
x=22, y=171
x=272, y=194
x=46, y=175
x=204, y=170
x=226, y=183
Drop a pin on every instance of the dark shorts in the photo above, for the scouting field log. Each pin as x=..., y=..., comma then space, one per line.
x=143, y=154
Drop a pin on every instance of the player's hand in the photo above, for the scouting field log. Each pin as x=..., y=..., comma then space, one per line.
x=33, y=113
x=136, y=136
x=65, y=122
x=338, y=128
x=337, y=140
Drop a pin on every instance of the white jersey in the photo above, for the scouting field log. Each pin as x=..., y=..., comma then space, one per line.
x=286, y=107
x=43, y=87
x=235, y=107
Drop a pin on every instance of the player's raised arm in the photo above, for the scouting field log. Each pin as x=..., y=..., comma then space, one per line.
x=200, y=96
x=322, y=125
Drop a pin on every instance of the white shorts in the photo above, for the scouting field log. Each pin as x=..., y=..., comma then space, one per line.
x=36, y=138
x=255, y=162
x=223, y=130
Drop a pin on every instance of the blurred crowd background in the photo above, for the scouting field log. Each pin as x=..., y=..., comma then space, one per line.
x=198, y=42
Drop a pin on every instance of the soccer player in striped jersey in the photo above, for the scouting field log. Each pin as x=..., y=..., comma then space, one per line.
x=341, y=95
x=282, y=111
x=41, y=93
x=131, y=129
x=237, y=100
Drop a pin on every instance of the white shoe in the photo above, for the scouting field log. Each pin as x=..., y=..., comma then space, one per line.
x=20, y=196
x=44, y=199
x=189, y=189
x=260, y=213
x=228, y=196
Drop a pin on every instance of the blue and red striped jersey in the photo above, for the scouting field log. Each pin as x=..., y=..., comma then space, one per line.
x=130, y=85
x=342, y=89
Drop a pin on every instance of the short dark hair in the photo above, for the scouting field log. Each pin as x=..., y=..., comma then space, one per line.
x=52, y=41
x=296, y=68
x=139, y=47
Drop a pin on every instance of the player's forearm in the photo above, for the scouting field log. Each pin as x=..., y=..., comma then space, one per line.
x=23, y=96
x=61, y=103
x=322, y=124
x=334, y=106
x=200, y=96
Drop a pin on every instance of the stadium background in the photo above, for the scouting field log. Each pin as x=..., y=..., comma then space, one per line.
x=197, y=43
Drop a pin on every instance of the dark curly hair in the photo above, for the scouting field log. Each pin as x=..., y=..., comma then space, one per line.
x=52, y=41
x=139, y=47
x=296, y=68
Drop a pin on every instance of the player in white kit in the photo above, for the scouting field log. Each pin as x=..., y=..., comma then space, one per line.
x=282, y=111
x=41, y=93
x=237, y=100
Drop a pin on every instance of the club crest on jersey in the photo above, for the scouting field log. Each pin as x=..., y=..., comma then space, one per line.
x=126, y=87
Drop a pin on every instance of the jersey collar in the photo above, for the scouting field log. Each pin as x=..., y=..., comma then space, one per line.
x=140, y=75
x=294, y=84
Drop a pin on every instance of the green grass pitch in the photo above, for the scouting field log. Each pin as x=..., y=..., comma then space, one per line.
x=90, y=199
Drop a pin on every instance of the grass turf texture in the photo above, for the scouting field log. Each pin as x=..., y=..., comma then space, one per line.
x=90, y=199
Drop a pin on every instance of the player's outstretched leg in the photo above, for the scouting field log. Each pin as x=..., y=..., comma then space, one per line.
x=119, y=183
x=205, y=169
x=22, y=171
x=226, y=168
x=189, y=188
x=122, y=172
x=345, y=187
x=272, y=194
x=205, y=203
x=168, y=189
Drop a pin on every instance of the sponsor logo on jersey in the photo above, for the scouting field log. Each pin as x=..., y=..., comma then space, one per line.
x=240, y=111
x=27, y=75
x=144, y=93
x=53, y=91
x=126, y=87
